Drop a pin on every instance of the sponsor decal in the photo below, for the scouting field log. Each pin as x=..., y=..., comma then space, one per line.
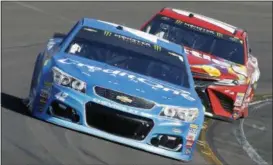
x=245, y=105
x=237, y=109
x=239, y=99
x=194, y=126
x=207, y=57
x=40, y=109
x=197, y=28
x=165, y=18
x=47, y=84
x=44, y=93
x=43, y=101
x=176, y=130
x=61, y=96
x=190, y=138
x=188, y=151
x=248, y=92
x=140, y=90
x=192, y=133
x=115, y=106
x=219, y=34
x=189, y=143
x=193, y=130
x=235, y=115
x=137, y=42
x=115, y=73
x=235, y=39
x=212, y=71
x=226, y=26
x=223, y=70
x=179, y=22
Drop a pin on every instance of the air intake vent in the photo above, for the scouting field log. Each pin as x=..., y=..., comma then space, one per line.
x=117, y=122
x=226, y=102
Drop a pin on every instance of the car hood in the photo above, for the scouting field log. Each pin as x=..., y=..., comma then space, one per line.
x=212, y=67
x=106, y=76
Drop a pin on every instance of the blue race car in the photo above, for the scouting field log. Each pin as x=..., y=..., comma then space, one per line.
x=120, y=84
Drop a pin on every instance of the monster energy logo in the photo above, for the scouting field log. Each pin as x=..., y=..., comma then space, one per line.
x=106, y=33
x=157, y=48
x=178, y=22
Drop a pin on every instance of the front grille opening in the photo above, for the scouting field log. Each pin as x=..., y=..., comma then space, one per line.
x=203, y=82
x=117, y=122
x=61, y=110
x=225, y=101
x=133, y=101
x=203, y=95
x=202, y=75
x=168, y=141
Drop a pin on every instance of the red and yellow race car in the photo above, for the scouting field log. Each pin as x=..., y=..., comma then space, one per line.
x=225, y=71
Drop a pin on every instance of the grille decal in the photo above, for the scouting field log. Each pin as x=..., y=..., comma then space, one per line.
x=123, y=98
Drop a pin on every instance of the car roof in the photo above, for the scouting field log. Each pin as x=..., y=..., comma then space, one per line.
x=134, y=33
x=203, y=21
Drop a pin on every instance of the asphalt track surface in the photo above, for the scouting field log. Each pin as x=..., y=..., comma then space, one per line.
x=26, y=26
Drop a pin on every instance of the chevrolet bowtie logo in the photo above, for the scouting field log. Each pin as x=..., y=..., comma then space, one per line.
x=124, y=99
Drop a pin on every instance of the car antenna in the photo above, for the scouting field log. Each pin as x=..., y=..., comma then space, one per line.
x=191, y=15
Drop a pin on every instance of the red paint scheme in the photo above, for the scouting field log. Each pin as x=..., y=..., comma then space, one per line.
x=229, y=91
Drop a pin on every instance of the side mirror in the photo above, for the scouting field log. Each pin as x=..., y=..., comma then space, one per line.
x=59, y=35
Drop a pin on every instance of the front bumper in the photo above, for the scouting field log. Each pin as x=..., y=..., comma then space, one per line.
x=136, y=128
x=221, y=102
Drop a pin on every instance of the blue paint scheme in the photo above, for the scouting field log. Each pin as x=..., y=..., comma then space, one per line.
x=42, y=80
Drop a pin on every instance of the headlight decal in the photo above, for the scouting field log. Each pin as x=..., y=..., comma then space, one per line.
x=64, y=79
x=239, y=70
x=230, y=82
x=183, y=114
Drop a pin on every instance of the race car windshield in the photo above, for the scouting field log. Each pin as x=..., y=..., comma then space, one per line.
x=197, y=38
x=152, y=61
